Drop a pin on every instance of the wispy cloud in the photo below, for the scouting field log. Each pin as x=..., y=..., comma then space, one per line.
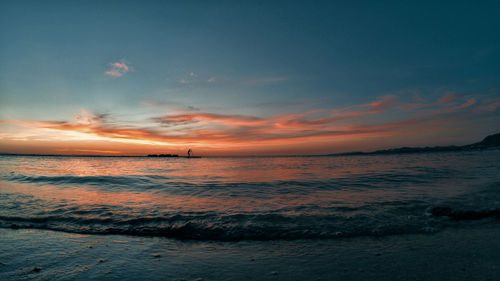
x=204, y=118
x=117, y=69
x=447, y=98
x=189, y=78
x=493, y=106
x=210, y=129
x=451, y=102
x=89, y=118
x=170, y=106
x=378, y=106
x=465, y=105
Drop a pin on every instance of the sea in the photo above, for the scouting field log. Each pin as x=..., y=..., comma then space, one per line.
x=229, y=199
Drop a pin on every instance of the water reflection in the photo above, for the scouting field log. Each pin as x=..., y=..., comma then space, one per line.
x=299, y=194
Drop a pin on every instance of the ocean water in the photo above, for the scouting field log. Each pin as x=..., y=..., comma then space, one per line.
x=251, y=198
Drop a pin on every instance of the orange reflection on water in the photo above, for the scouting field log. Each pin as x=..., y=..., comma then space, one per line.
x=213, y=184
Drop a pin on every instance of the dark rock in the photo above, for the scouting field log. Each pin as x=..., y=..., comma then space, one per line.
x=458, y=215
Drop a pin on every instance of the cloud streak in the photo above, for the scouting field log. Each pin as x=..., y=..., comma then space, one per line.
x=465, y=105
x=117, y=69
x=206, y=129
x=378, y=106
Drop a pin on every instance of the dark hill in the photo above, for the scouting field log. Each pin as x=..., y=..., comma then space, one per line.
x=489, y=142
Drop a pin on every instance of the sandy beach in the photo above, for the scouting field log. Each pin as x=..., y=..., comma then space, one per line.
x=454, y=254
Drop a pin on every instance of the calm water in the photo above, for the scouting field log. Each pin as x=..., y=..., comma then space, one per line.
x=262, y=198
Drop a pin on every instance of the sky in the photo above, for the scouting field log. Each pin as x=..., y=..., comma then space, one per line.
x=246, y=77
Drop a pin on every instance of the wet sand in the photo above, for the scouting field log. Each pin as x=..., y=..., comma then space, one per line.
x=471, y=253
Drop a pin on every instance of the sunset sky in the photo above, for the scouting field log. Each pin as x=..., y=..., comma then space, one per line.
x=261, y=78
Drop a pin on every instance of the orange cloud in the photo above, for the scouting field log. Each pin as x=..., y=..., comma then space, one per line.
x=494, y=106
x=226, y=131
x=448, y=98
x=442, y=103
x=236, y=129
x=378, y=106
x=465, y=105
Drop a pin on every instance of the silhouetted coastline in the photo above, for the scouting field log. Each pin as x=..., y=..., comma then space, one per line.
x=489, y=142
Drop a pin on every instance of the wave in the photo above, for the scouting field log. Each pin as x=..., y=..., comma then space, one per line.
x=354, y=182
x=270, y=226
x=90, y=180
x=380, y=199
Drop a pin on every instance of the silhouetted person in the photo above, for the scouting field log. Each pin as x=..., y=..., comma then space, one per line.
x=189, y=153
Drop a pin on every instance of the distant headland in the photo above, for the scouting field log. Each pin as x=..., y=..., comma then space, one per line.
x=489, y=142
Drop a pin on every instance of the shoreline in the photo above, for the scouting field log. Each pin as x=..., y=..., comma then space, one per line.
x=471, y=253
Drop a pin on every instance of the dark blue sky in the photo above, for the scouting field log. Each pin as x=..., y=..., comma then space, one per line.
x=260, y=59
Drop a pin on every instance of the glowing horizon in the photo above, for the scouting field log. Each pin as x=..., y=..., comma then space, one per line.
x=242, y=134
